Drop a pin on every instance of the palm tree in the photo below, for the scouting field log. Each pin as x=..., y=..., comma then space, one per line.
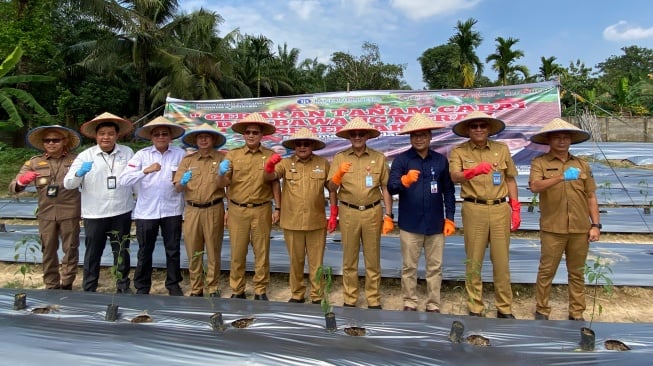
x=258, y=52
x=468, y=63
x=504, y=59
x=549, y=69
x=312, y=76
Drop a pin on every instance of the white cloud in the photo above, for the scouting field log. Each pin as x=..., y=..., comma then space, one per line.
x=305, y=9
x=623, y=31
x=421, y=9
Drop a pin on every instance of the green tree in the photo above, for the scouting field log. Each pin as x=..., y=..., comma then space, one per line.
x=438, y=72
x=549, y=69
x=312, y=77
x=469, y=65
x=367, y=72
x=503, y=62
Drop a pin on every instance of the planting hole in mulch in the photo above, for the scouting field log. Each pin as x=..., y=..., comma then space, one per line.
x=478, y=340
x=242, y=323
x=355, y=331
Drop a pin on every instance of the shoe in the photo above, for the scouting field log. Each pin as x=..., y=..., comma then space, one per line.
x=578, y=319
x=437, y=311
x=124, y=291
x=375, y=307
x=409, y=308
x=262, y=297
x=197, y=295
x=175, y=291
x=348, y=305
x=504, y=316
x=316, y=302
x=297, y=301
x=475, y=314
x=67, y=287
x=540, y=316
x=239, y=296
x=215, y=294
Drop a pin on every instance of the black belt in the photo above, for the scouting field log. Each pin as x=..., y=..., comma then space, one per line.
x=204, y=205
x=485, y=202
x=362, y=207
x=249, y=205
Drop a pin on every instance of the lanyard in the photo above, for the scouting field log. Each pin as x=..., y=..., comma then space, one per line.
x=113, y=160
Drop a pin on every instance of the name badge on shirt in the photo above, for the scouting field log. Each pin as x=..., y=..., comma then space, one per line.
x=111, y=182
x=368, y=181
x=52, y=190
x=434, y=187
x=496, y=178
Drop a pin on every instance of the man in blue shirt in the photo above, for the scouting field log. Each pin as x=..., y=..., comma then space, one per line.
x=427, y=203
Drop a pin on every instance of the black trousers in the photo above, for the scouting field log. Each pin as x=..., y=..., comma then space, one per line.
x=117, y=229
x=146, y=233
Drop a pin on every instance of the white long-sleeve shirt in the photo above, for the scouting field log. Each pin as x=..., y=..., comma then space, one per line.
x=98, y=201
x=157, y=196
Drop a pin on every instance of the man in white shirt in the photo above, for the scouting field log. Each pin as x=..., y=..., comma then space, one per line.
x=159, y=205
x=106, y=204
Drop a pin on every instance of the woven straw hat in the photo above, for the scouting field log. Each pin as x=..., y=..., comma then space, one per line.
x=495, y=125
x=35, y=137
x=358, y=124
x=420, y=122
x=559, y=125
x=303, y=134
x=145, y=132
x=88, y=128
x=254, y=118
x=190, y=138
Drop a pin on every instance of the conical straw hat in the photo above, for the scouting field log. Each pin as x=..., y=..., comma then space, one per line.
x=190, y=138
x=420, y=122
x=559, y=125
x=35, y=137
x=358, y=124
x=303, y=134
x=254, y=118
x=495, y=125
x=145, y=132
x=88, y=128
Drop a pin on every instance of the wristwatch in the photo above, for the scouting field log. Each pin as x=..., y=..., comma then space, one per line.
x=597, y=226
x=390, y=215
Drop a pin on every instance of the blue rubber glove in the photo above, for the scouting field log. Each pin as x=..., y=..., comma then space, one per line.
x=572, y=173
x=186, y=177
x=85, y=168
x=225, y=165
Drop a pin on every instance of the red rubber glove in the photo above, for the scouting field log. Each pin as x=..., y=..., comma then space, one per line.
x=272, y=161
x=515, y=218
x=410, y=178
x=449, y=227
x=332, y=223
x=27, y=178
x=388, y=225
x=483, y=168
x=342, y=169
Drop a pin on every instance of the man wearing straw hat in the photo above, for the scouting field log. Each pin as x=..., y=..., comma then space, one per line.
x=569, y=218
x=427, y=203
x=159, y=205
x=197, y=178
x=58, y=208
x=106, y=204
x=359, y=175
x=486, y=174
x=250, y=215
x=304, y=177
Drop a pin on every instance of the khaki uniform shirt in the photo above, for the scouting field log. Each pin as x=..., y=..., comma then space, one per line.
x=67, y=203
x=467, y=155
x=563, y=206
x=303, y=192
x=246, y=174
x=203, y=186
x=361, y=185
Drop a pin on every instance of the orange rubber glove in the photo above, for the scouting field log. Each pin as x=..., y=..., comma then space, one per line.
x=409, y=178
x=449, y=227
x=272, y=161
x=515, y=218
x=388, y=225
x=27, y=178
x=332, y=223
x=483, y=168
x=342, y=169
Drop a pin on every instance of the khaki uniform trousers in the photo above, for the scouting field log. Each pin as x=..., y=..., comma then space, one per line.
x=483, y=223
x=203, y=231
x=575, y=248
x=50, y=231
x=361, y=228
x=303, y=244
x=411, y=248
x=250, y=224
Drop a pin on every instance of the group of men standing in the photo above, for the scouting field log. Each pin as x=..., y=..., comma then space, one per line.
x=164, y=189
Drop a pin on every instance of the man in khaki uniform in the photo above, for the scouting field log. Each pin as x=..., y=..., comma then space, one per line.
x=303, y=217
x=569, y=217
x=203, y=227
x=486, y=174
x=360, y=176
x=250, y=216
x=59, y=210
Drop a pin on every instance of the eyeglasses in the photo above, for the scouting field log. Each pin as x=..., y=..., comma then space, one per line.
x=303, y=143
x=354, y=134
x=160, y=134
x=475, y=126
x=51, y=141
x=251, y=132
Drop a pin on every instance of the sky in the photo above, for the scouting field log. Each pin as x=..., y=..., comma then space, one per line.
x=589, y=31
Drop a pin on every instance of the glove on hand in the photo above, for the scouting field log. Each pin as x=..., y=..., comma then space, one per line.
x=186, y=177
x=483, y=168
x=27, y=178
x=572, y=173
x=388, y=225
x=409, y=178
x=515, y=218
x=272, y=161
x=225, y=165
x=333, y=219
x=449, y=227
x=85, y=168
x=342, y=169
